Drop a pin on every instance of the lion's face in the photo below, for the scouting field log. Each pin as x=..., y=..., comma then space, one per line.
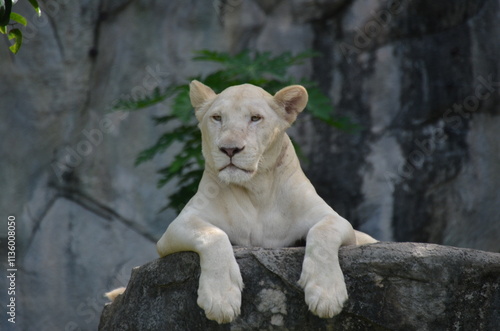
x=242, y=126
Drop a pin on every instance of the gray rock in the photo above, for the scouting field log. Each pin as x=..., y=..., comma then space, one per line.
x=392, y=286
x=46, y=264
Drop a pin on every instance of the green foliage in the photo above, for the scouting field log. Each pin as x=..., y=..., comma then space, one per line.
x=9, y=19
x=17, y=35
x=261, y=69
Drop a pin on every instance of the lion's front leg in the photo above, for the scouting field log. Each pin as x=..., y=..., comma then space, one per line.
x=219, y=291
x=220, y=286
x=322, y=279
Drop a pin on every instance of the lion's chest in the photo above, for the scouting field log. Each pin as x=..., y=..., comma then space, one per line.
x=267, y=225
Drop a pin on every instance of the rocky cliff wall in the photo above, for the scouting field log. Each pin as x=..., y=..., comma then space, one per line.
x=420, y=79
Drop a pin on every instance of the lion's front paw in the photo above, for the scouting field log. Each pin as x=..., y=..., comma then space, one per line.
x=325, y=291
x=219, y=293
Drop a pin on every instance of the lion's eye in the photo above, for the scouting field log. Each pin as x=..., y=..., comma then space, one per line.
x=255, y=118
x=217, y=118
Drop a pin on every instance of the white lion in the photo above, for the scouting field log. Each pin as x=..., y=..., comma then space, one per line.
x=254, y=193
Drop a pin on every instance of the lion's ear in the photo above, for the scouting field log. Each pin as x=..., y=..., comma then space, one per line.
x=199, y=94
x=293, y=100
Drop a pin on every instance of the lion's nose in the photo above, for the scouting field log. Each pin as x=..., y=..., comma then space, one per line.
x=231, y=151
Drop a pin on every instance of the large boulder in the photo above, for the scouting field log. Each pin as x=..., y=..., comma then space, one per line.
x=392, y=286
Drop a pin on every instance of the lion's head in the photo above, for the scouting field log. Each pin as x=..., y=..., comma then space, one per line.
x=243, y=126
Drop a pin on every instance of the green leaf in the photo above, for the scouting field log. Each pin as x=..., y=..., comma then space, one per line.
x=181, y=105
x=132, y=104
x=5, y=10
x=35, y=5
x=220, y=80
x=3, y=29
x=181, y=133
x=18, y=18
x=319, y=104
x=256, y=68
x=18, y=36
x=207, y=55
x=161, y=145
x=178, y=199
x=163, y=119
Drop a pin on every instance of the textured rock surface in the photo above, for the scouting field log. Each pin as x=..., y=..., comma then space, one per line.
x=419, y=77
x=45, y=266
x=392, y=286
x=415, y=78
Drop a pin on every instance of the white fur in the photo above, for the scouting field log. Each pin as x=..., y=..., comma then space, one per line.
x=111, y=295
x=257, y=197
